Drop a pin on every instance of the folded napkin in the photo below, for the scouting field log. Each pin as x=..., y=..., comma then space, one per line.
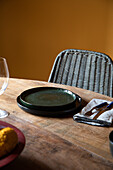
x=104, y=119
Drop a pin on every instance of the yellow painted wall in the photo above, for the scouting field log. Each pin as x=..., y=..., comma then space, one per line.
x=33, y=32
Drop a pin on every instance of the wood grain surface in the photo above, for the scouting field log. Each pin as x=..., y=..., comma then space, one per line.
x=56, y=143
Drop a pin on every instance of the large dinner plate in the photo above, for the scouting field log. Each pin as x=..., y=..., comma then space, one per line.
x=52, y=113
x=48, y=99
x=17, y=150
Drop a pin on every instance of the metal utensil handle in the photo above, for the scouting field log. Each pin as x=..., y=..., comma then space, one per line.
x=110, y=105
x=101, y=105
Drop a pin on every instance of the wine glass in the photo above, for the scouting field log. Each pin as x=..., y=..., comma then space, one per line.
x=4, y=77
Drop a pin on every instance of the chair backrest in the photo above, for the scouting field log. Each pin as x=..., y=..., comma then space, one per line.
x=84, y=69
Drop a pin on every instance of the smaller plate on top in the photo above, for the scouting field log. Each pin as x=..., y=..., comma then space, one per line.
x=48, y=99
x=5, y=160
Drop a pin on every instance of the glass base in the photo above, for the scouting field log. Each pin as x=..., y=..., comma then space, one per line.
x=3, y=113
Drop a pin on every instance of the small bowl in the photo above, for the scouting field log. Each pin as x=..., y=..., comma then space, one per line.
x=111, y=142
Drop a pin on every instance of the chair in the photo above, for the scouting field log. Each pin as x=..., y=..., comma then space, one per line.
x=84, y=69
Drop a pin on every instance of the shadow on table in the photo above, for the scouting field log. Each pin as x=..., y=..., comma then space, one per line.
x=25, y=164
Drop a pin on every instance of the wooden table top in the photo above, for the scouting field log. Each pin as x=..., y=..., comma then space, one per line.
x=56, y=143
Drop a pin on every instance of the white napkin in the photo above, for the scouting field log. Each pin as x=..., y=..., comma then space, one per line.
x=105, y=119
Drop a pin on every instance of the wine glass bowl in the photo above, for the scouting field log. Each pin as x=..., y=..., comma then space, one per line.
x=4, y=78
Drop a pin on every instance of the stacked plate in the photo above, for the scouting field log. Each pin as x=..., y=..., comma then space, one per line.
x=49, y=101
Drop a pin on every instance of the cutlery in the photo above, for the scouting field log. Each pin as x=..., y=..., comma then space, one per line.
x=89, y=113
x=103, y=110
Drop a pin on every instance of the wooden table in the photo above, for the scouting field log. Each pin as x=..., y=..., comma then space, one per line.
x=56, y=143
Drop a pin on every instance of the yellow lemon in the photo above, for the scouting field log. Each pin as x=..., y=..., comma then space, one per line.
x=8, y=140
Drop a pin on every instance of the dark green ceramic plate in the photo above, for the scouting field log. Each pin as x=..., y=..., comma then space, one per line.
x=48, y=98
x=51, y=113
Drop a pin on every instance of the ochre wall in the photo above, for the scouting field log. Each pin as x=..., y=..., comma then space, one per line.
x=33, y=32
